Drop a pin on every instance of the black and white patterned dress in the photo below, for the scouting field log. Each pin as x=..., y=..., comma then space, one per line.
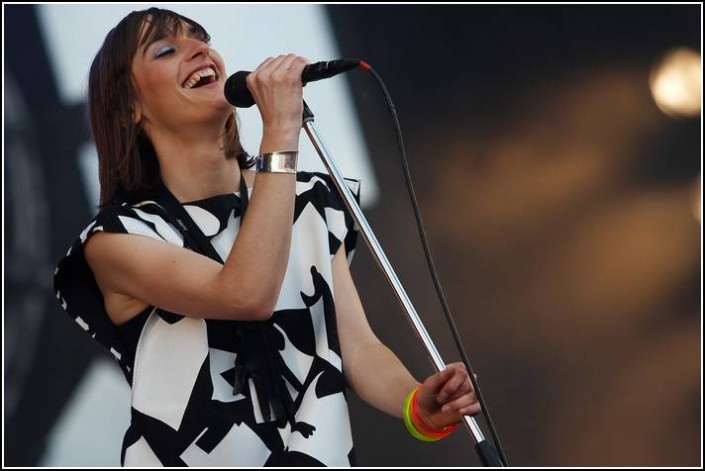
x=228, y=393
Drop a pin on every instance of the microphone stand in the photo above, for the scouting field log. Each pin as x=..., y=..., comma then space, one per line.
x=487, y=454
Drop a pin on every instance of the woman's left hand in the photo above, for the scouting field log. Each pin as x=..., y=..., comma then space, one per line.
x=446, y=396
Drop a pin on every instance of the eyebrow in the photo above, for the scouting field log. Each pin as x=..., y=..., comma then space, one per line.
x=191, y=31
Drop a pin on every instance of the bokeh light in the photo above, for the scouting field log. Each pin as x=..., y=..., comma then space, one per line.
x=676, y=82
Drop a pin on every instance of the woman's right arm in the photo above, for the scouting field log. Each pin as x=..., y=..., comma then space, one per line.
x=248, y=285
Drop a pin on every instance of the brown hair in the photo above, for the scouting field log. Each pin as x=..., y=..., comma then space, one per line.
x=127, y=162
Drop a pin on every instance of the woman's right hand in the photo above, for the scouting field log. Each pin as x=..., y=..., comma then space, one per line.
x=277, y=89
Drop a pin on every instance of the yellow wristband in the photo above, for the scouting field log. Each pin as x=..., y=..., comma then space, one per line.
x=409, y=424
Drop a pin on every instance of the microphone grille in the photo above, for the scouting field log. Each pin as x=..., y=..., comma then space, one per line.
x=236, y=91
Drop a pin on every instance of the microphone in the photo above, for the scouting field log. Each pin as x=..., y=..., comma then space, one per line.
x=237, y=93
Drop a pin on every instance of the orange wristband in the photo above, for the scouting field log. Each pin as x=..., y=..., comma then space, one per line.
x=422, y=426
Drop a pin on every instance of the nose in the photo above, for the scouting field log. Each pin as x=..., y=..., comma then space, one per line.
x=199, y=50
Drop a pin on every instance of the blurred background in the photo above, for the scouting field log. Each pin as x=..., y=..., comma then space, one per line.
x=557, y=157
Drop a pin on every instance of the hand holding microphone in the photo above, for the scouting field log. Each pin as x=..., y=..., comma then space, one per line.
x=276, y=87
x=238, y=94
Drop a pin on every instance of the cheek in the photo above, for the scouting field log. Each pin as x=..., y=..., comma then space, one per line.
x=219, y=62
x=157, y=78
x=154, y=88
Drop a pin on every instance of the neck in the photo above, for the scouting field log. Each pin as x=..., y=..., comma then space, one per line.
x=196, y=169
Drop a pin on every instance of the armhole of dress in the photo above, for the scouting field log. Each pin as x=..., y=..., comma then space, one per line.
x=138, y=347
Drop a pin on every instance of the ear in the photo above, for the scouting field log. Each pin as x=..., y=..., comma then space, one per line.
x=136, y=114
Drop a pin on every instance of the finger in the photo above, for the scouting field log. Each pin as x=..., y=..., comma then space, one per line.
x=460, y=364
x=288, y=69
x=452, y=385
x=265, y=63
x=260, y=73
x=282, y=68
x=435, y=382
x=462, y=402
x=471, y=410
x=298, y=65
x=449, y=388
x=465, y=388
x=275, y=67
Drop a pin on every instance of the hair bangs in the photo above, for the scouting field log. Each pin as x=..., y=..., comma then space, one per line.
x=160, y=24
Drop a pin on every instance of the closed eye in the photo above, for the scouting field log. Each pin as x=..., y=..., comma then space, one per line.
x=163, y=51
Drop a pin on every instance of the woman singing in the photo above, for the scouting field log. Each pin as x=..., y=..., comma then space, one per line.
x=220, y=282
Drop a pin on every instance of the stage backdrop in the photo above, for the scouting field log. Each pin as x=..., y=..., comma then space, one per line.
x=559, y=200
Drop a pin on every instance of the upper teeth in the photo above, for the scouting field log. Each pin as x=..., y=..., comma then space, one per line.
x=198, y=75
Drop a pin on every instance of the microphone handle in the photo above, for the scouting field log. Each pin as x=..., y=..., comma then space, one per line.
x=238, y=95
x=323, y=70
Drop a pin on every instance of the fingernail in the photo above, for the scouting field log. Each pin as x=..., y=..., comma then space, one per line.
x=445, y=408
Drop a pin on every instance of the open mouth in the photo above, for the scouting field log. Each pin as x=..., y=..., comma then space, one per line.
x=200, y=78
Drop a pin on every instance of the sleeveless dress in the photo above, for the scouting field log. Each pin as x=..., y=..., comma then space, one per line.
x=228, y=393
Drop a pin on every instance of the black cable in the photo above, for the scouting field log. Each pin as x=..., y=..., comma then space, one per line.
x=429, y=259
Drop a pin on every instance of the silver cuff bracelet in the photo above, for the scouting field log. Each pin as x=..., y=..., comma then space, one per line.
x=277, y=162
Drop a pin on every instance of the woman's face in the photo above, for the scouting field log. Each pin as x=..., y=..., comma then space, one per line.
x=179, y=82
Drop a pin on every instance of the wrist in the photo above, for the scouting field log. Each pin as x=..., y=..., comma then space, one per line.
x=277, y=138
x=417, y=426
x=425, y=416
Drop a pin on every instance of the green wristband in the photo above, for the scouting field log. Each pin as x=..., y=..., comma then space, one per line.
x=409, y=424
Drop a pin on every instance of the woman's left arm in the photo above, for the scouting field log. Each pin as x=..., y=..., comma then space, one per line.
x=376, y=374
